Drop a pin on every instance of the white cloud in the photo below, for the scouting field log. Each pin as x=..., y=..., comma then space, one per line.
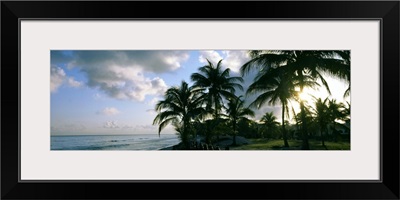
x=231, y=59
x=125, y=82
x=121, y=74
x=146, y=127
x=258, y=113
x=109, y=111
x=73, y=83
x=127, y=127
x=153, y=101
x=235, y=59
x=57, y=77
x=110, y=124
x=211, y=55
x=115, y=125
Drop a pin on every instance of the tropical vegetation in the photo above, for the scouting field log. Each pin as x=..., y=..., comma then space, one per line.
x=213, y=111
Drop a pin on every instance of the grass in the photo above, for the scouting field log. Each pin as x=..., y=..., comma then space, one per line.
x=264, y=144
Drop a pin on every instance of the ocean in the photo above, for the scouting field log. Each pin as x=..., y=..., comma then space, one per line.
x=113, y=142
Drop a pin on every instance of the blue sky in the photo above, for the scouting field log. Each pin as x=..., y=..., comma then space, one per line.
x=114, y=92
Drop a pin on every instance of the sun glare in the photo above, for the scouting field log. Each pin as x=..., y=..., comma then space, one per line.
x=303, y=96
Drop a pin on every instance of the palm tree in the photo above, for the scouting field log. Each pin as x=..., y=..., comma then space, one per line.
x=276, y=86
x=346, y=116
x=248, y=128
x=300, y=64
x=182, y=133
x=346, y=111
x=321, y=113
x=236, y=111
x=205, y=128
x=296, y=118
x=270, y=122
x=218, y=83
x=345, y=55
x=335, y=113
x=179, y=107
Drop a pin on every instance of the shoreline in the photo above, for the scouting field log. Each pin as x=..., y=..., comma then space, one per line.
x=168, y=148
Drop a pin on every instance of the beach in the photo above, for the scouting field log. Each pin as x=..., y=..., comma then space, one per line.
x=114, y=142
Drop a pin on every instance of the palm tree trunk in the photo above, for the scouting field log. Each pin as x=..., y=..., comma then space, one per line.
x=305, y=145
x=216, y=115
x=283, y=127
x=234, y=133
x=335, y=134
x=328, y=132
x=216, y=108
x=322, y=137
x=185, y=135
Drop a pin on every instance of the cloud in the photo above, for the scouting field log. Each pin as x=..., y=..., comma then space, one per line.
x=153, y=101
x=121, y=74
x=73, y=83
x=108, y=111
x=110, y=124
x=211, y=55
x=277, y=110
x=233, y=59
x=126, y=84
x=146, y=127
x=127, y=127
x=59, y=77
x=115, y=125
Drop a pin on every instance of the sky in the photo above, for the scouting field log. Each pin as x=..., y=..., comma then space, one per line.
x=115, y=92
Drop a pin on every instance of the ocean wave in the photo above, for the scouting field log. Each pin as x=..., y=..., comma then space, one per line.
x=139, y=142
x=94, y=147
x=124, y=140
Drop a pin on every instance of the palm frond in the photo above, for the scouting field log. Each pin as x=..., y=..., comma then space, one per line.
x=324, y=83
x=347, y=92
x=164, y=123
x=267, y=97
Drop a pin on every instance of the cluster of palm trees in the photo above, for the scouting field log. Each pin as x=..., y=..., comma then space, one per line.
x=280, y=77
x=203, y=102
x=327, y=113
x=280, y=73
x=270, y=126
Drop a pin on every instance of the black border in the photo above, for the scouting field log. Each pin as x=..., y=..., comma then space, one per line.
x=386, y=11
x=197, y=180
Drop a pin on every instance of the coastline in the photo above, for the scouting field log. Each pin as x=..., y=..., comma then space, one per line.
x=167, y=148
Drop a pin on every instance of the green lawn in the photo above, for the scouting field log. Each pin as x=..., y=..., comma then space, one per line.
x=263, y=144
